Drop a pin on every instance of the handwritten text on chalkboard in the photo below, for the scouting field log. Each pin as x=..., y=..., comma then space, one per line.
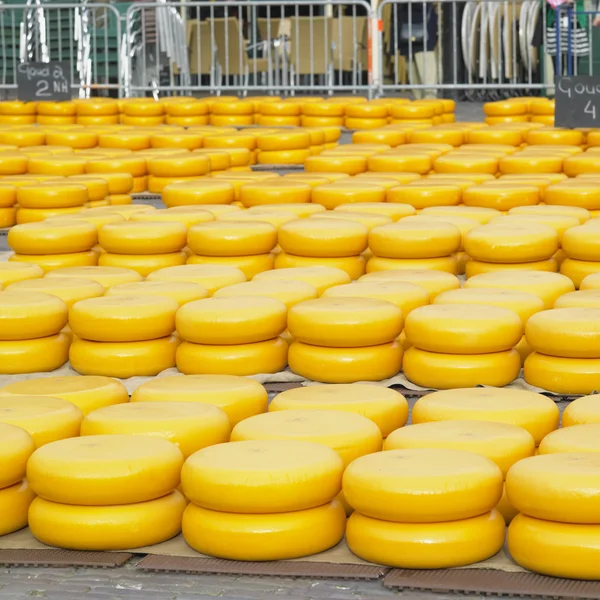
x=38, y=81
x=577, y=102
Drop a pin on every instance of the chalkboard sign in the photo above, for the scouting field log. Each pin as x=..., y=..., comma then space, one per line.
x=37, y=81
x=577, y=102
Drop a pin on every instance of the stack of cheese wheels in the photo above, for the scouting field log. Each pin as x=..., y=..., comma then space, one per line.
x=123, y=336
x=462, y=345
x=38, y=201
x=246, y=245
x=343, y=340
x=415, y=243
x=502, y=246
x=86, y=393
x=121, y=161
x=323, y=114
x=212, y=192
x=232, y=336
x=54, y=245
x=8, y=211
x=238, y=397
x=274, y=112
x=141, y=112
x=367, y=115
x=15, y=493
x=263, y=500
x=172, y=168
x=231, y=111
x=505, y=111
x=387, y=408
x=503, y=443
x=566, y=355
x=557, y=530
x=501, y=196
x=143, y=246
x=31, y=339
x=334, y=243
x=283, y=147
x=424, y=508
x=582, y=251
x=186, y=113
x=109, y=492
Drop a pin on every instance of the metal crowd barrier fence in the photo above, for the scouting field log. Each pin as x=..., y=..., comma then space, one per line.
x=87, y=35
x=570, y=39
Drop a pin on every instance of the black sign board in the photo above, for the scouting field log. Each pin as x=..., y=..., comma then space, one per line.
x=37, y=81
x=577, y=102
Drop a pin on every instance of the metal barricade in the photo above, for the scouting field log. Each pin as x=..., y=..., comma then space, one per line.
x=484, y=49
x=570, y=40
x=87, y=35
x=241, y=46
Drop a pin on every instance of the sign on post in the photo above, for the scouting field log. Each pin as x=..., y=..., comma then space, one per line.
x=577, y=102
x=38, y=82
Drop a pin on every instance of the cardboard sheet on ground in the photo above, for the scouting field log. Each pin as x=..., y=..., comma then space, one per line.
x=340, y=554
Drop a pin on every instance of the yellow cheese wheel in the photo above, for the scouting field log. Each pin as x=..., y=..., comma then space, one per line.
x=511, y=243
x=11, y=272
x=422, y=194
x=503, y=443
x=57, y=165
x=582, y=411
x=434, y=282
x=448, y=264
x=249, y=265
x=393, y=211
x=51, y=262
x=345, y=322
x=481, y=214
x=556, y=487
x=69, y=290
x=581, y=214
x=264, y=536
x=8, y=217
x=560, y=223
x=562, y=375
x=524, y=304
x=133, y=237
x=463, y=328
x=350, y=435
x=354, y=266
x=366, y=219
x=98, y=528
x=537, y=544
x=180, y=291
x=413, y=162
x=466, y=163
x=30, y=315
x=501, y=196
x=12, y=163
x=46, y=420
x=119, y=164
x=579, y=243
x=34, y=355
x=212, y=277
x=583, y=163
x=275, y=217
x=547, y=286
x=97, y=187
x=345, y=365
x=533, y=412
x=238, y=397
x=105, y=276
x=190, y=426
x=199, y=191
x=380, y=136
x=283, y=157
x=591, y=282
x=57, y=238
x=580, y=438
x=124, y=211
x=584, y=298
x=268, y=356
x=426, y=546
x=183, y=165
x=580, y=193
x=319, y=276
x=16, y=449
x=401, y=178
x=323, y=238
x=476, y=267
x=264, y=476
x=180, y=140
x=232, y=238
x=8, y=195
x=225, y=321
x=288, y=292
x=22, y=137
x=52, y=195
x=418, y=239
x=351, y=164
x=283, y=140
x=79, y=139
x=333, y=195
x=187, y=215
x=110, y=470
x=301, y=211
x=15, y=501
x=423, y=485
x=523, y=162
x=578, y=270
x=274, y=191
x=123, y=318
x=385, y=407
x=130, y=140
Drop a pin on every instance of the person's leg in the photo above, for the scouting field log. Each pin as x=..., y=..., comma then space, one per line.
x=413, y=76
x=427, y=69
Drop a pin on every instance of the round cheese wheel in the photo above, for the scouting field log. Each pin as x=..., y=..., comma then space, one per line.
x=180, y=291
x=124, y=139
x=562, y=375
x=580, y=214
x=583, y=163
x=57, y=165
x=264, y=476
x=501, y=196
x=15, y=501
x=8, y=217
x=79, y=139
x=578, y=270
x=46, y=420
x=345, y=322
x=201, y=191
x=283, y=157
x=350, y=435
x=345, y=365
x=133, y=237
x=52, y=195
x=300, y=210
x=184, y=165
x=511, y=243
x=463, y=328
x=413, y=162
x=533, y=412
x=582, y=411
x=275, y=217
x=17, y=447
x=333, y=195
x=475, y=267
x=321, y=277
x=69, y=290
x=274, y=191
x=232, y=238
x=238, y=397
x=422, y=194
x=187, y=215
x=57, y=238
x=434, y=282
x=51, y=262
x=466, y=163
x=503, y=443
x=448, y=264
x=212, y=277
x=225, y=321
x=393, y=211
x=579, y=243
x=368, y=220
x=12, y=163
x=8, y=195
x=268, y=356
x=11, y=272
x=98, y=528
x=422, y=485
x=354, y=266
x=415, y=239
x=481, y=214
x=264, y=536
x=120, y=164
x=426, y=546
x=351, y=164
x=588, y=298
x=284, y=140
x=105, y=276
x=288, y=292
x=547, y=286
x=322, y=238
x=123, y=318
x=26, y=316
x=249, y=265
x=559, y=223
x=591, y=282
x=581, y=438
x=579, y=193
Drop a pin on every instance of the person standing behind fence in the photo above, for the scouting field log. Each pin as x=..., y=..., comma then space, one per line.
x=414, y=36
